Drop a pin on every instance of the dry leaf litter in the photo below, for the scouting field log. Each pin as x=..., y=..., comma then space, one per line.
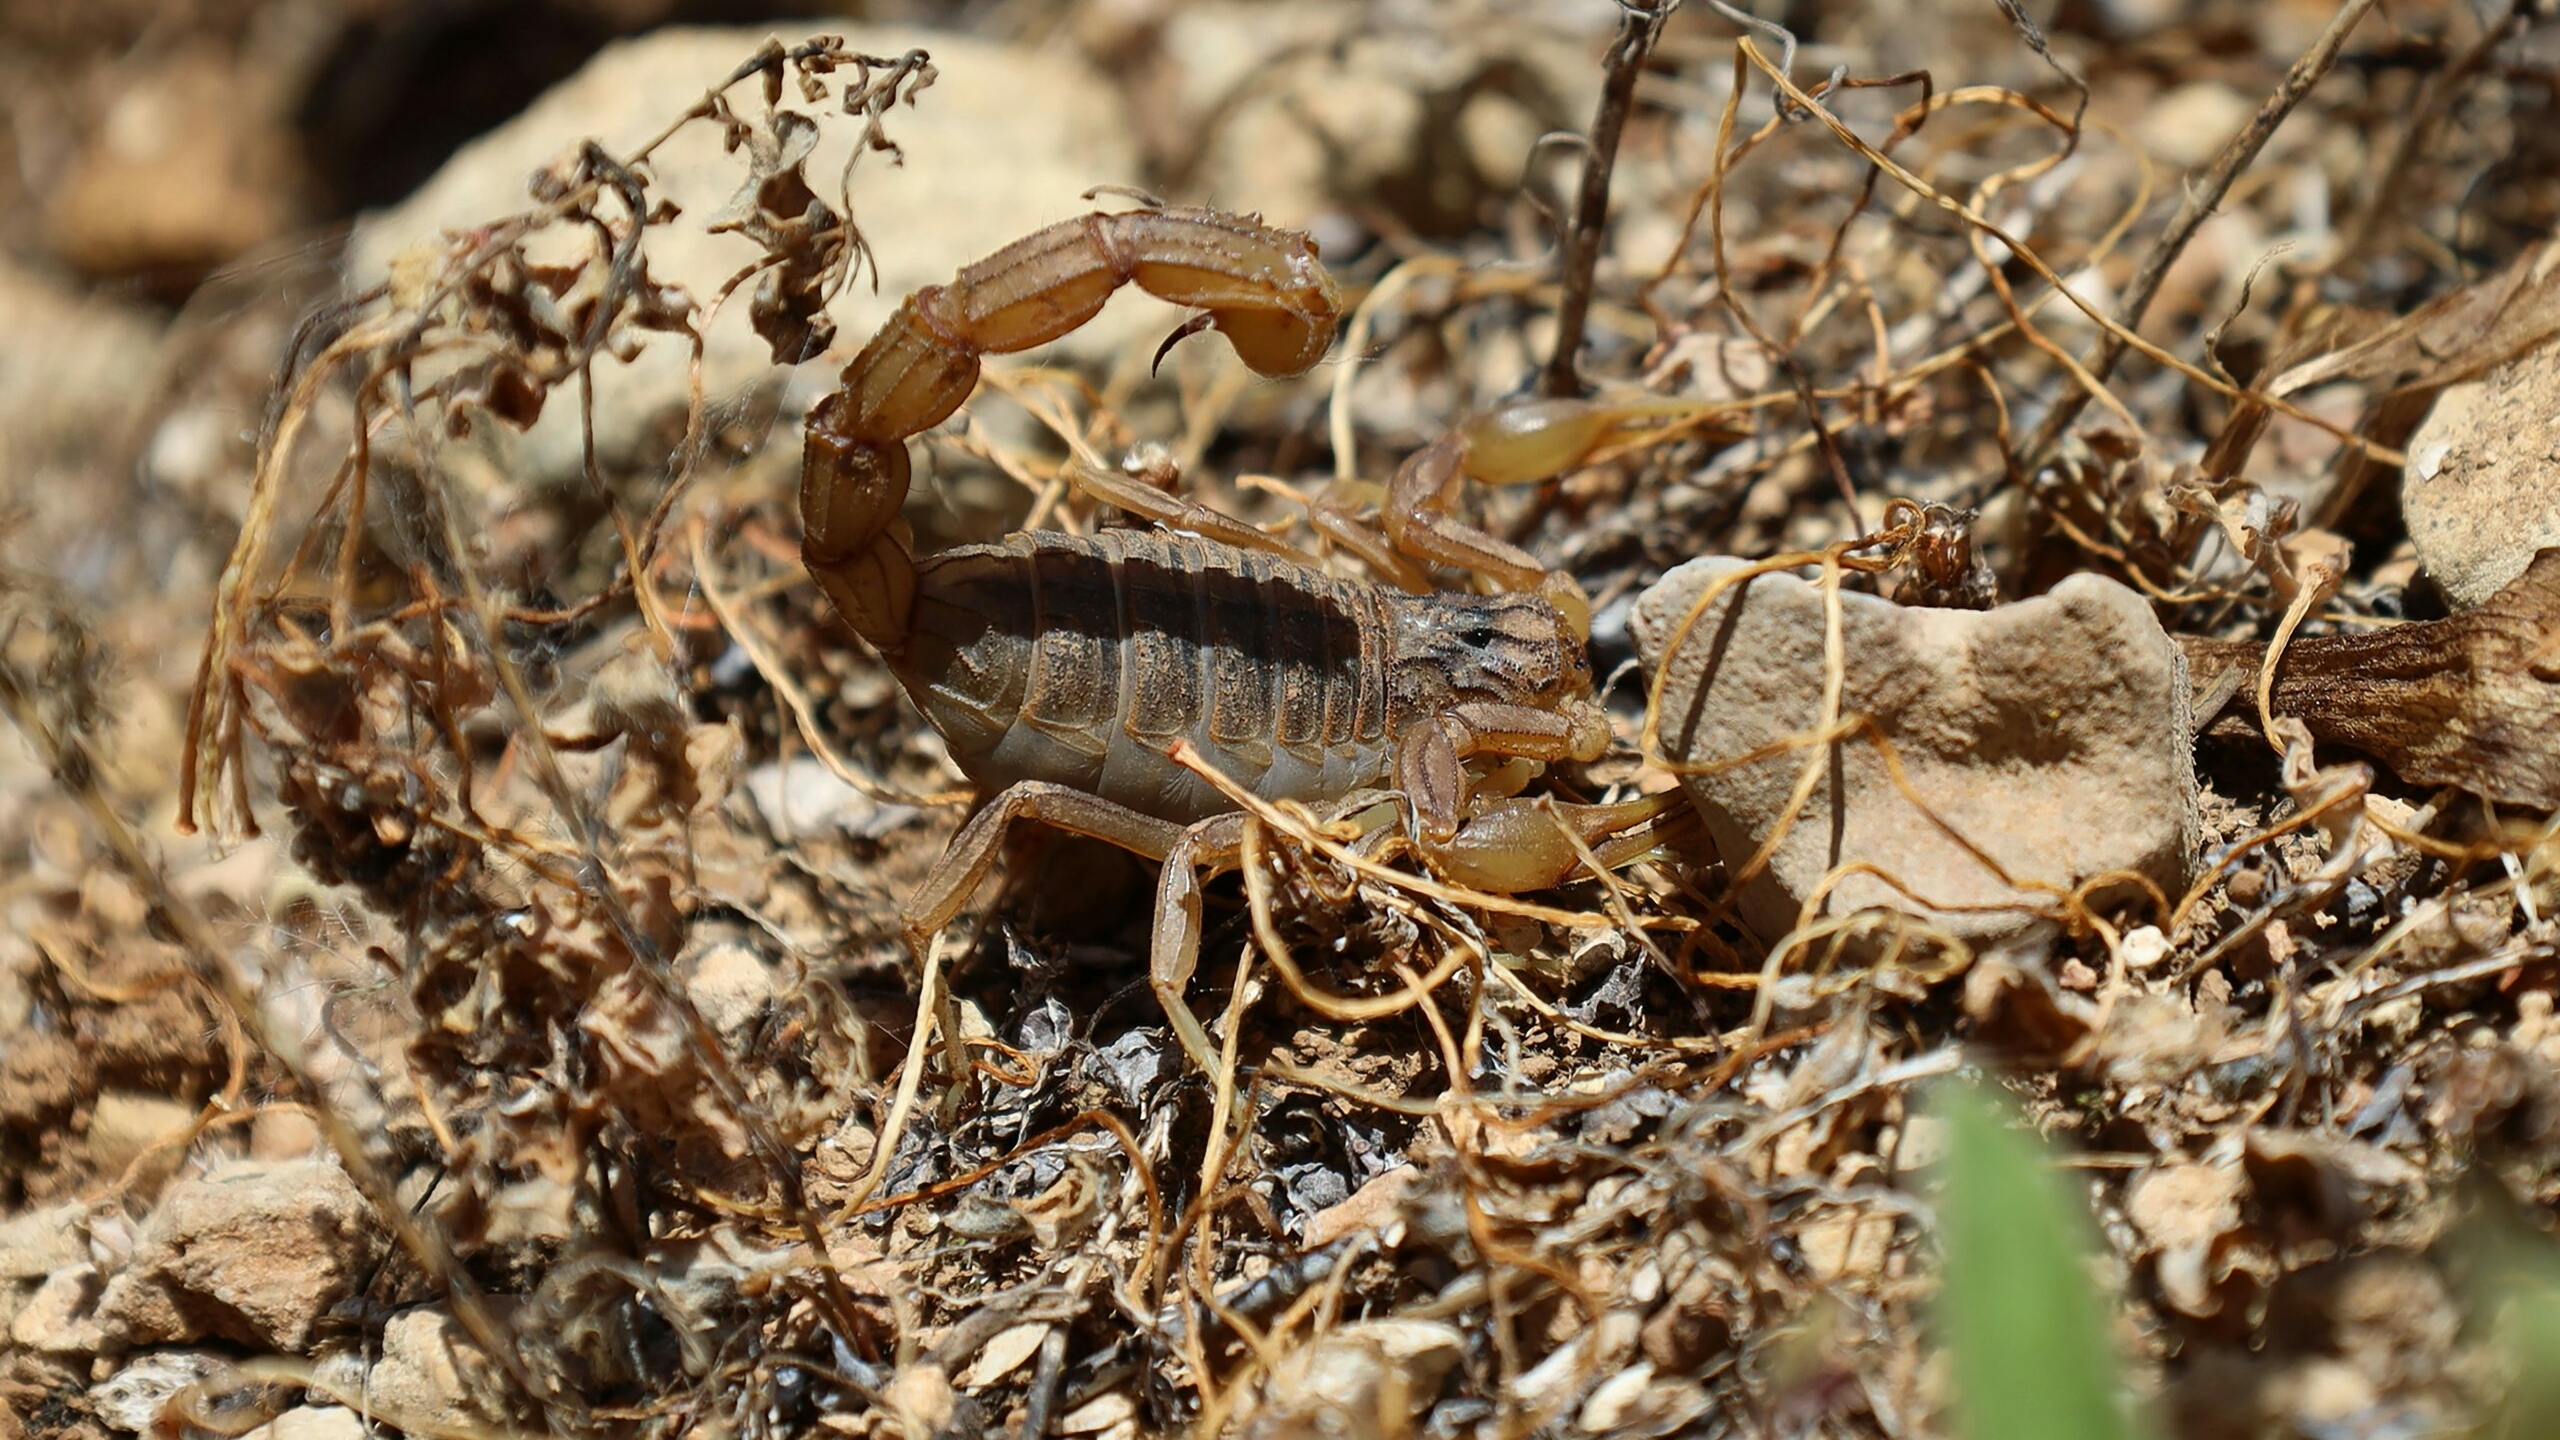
x=451, y=978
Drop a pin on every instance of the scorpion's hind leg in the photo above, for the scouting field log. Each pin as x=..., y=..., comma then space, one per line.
x=972, y=853
x=1210, y=846
x=1208, y=849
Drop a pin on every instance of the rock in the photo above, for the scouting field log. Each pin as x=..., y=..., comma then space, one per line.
x=1315, y=111
x=281, y=1134
x=2189, y=125
x=194, y=164
x=2184, y=1204
x=254, y=1254
x=74, y=368
x=2183, y=1211
x=131, y=1398
x=1338, y=1383
x=731, y=985
x=2477, y=491
x=127, y=1123
x=1377, y=1207
x=432, y=1375
x=312, y=1422
x=2052, y=733
x=801, y=799
x=1006, y=140
x=61, y=1317
x=36, y=1243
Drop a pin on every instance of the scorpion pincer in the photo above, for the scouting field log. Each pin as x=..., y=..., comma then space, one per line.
x=1062, y=668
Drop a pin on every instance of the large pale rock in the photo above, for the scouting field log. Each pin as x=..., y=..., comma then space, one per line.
x=2479, y=491
x=1005, y=140
x=75, y=370
x=2052, y=733
x=254, y=1254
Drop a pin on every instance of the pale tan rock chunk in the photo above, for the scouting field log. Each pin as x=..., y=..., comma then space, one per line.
x=2052, y=734
x=1387, y=1369
x=430, y=1377
x=312, y=1422
x=2481, y=491
x=1321, y=107
x=60, y=1318
x=126, y=1123
x=253, y=1253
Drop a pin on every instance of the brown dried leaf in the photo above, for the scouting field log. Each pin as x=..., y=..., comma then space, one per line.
x=2469, y=700
x=2453, y=337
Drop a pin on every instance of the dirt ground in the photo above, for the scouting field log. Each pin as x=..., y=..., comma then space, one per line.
x=454, y=977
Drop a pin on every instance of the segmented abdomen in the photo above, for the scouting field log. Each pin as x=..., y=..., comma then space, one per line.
x=1079, y=659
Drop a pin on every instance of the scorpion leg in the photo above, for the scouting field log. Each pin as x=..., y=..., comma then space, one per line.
x=972, y=853
x=1135, y=488
x=1524, y=443
x=1505, y=846
x=1210, y=846
x=1208, y=849
x=1420, y=518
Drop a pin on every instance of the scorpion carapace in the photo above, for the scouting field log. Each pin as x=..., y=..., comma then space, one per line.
x=1063, y=669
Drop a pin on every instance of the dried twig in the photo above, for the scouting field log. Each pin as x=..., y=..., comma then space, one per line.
x=2202, y=198
x=1639, y=26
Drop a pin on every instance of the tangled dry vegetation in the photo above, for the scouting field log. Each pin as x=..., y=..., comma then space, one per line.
x=566, y=1071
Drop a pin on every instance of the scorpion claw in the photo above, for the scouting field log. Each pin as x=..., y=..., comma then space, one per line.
x=1184, y=331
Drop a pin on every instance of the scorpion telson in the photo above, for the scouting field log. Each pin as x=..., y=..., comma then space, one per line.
x=1062, y=668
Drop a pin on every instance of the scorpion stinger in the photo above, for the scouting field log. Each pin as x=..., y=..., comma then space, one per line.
x=1184, y=331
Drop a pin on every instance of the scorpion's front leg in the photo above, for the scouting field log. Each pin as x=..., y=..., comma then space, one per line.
x=1510, y=846
x=1431, y=755
x=1503, y=844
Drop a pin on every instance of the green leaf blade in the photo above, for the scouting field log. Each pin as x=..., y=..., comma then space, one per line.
x=2024, y=1324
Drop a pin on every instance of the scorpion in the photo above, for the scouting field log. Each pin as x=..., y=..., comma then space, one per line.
x=1062, y=669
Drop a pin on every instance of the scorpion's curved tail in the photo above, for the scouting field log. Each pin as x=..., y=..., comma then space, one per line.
x=1261, y=287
